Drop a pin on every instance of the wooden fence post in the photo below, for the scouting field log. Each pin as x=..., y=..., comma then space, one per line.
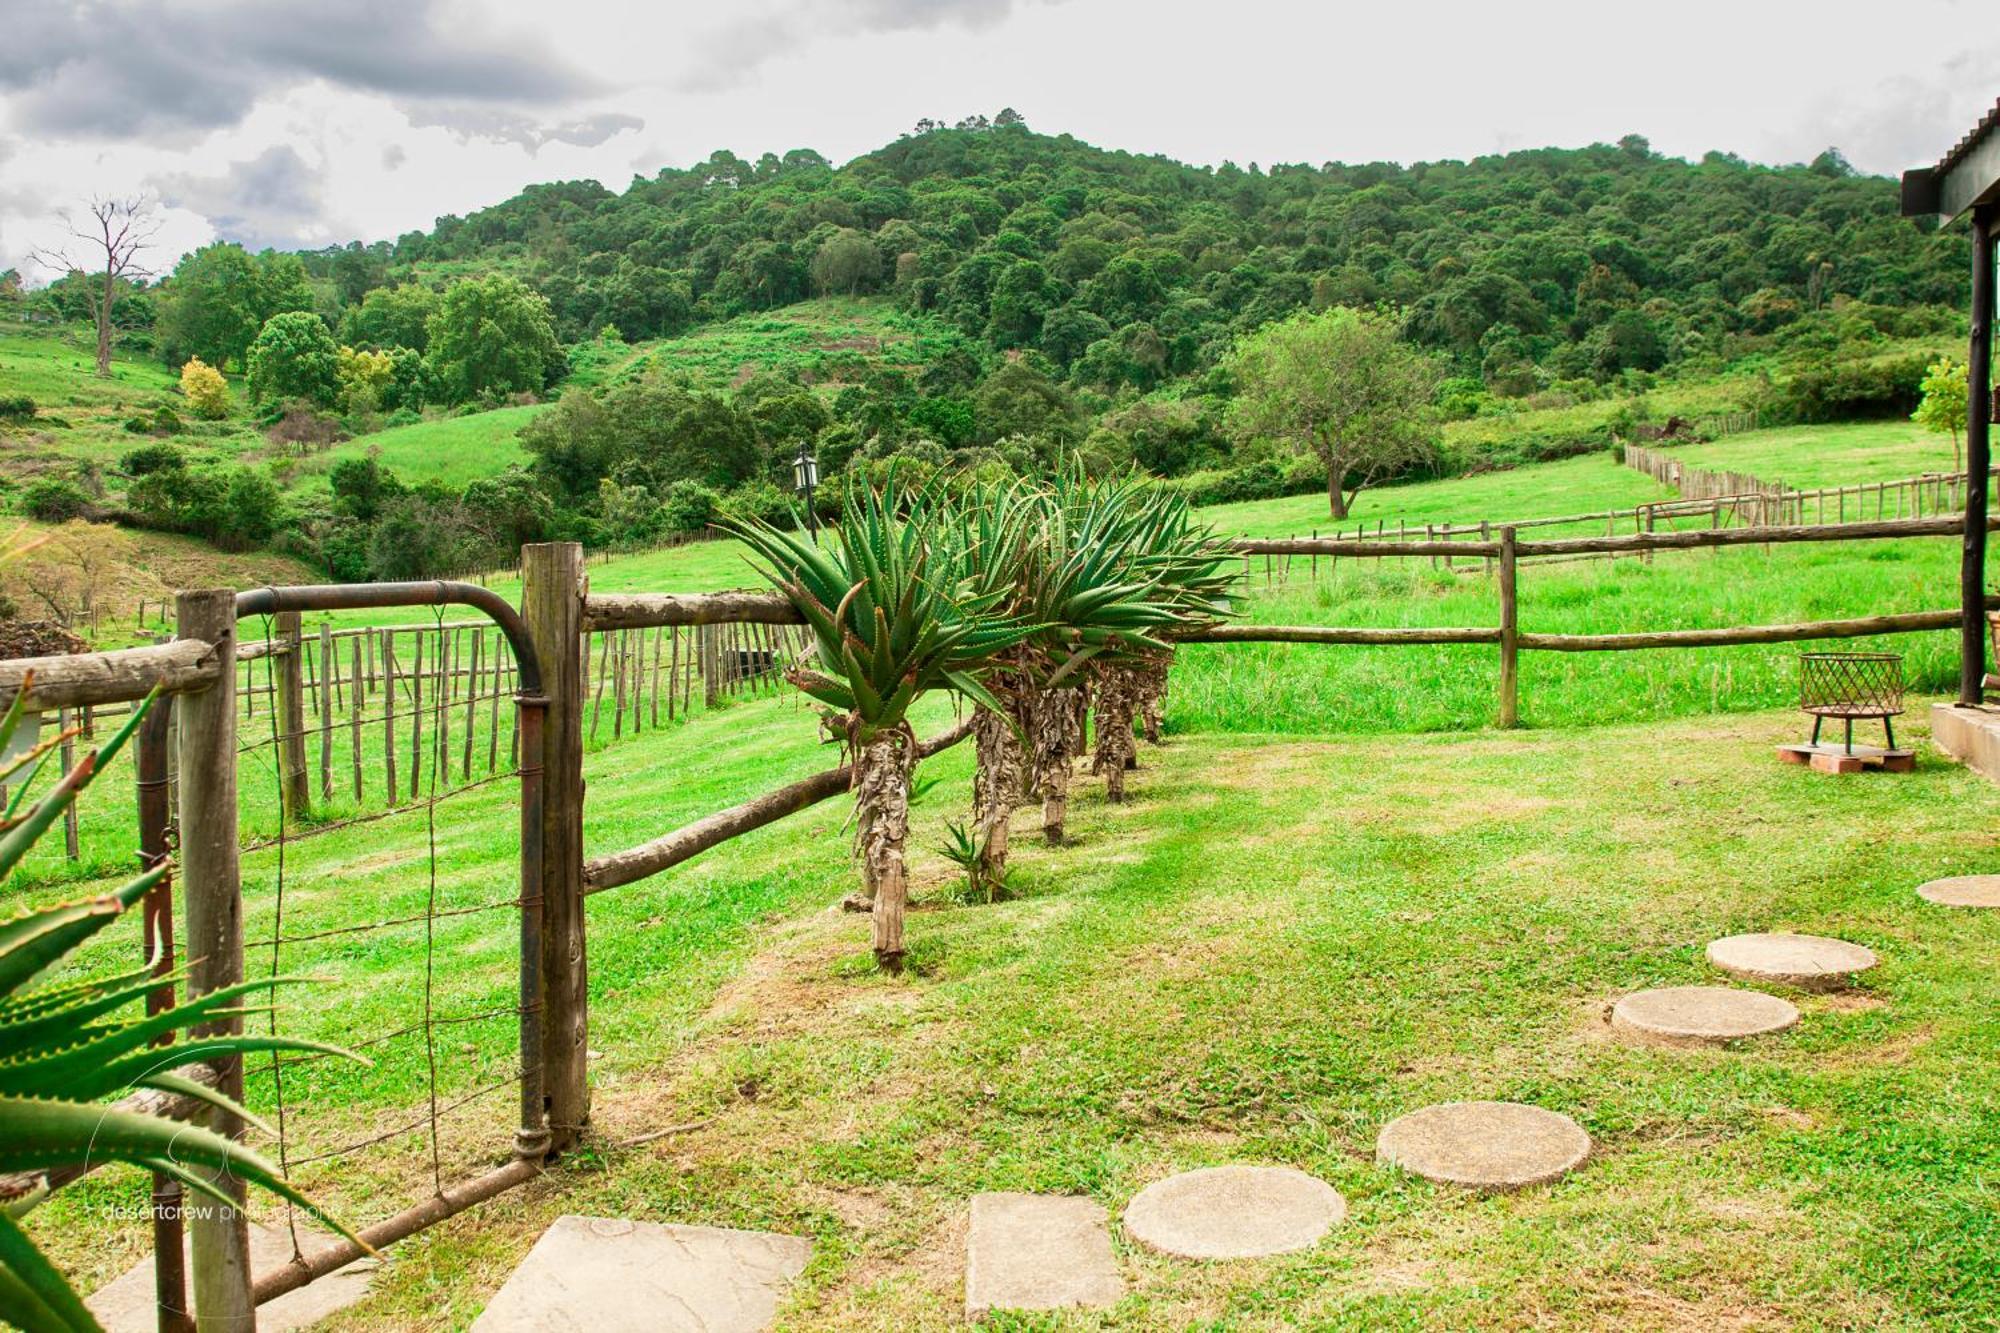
x=553, y=584
x=290, y=714
x=212, y=890
x=1510, y=632
x=325, y=700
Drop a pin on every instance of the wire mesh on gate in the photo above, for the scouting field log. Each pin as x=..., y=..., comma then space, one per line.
x=441, y=1037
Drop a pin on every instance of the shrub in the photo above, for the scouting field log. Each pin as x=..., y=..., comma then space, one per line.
x=299, y=424
x=207, y=393
x=687, y=508
x=234, y=507
x=16, y=407
x=52, y=500
x=149, y=458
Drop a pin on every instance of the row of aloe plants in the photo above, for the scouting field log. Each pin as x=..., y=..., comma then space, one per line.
x=1029, y=600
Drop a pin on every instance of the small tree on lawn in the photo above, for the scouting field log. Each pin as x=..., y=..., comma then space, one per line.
x=1943, y=407
x=890, y=624
x=1343, y=386
x=207, y=393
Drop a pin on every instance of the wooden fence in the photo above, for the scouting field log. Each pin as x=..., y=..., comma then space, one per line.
x=1507, y=552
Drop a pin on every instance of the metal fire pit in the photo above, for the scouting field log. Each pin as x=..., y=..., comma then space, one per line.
x=1849, y=686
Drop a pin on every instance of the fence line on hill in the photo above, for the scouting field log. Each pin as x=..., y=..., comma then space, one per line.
x=1928, y=495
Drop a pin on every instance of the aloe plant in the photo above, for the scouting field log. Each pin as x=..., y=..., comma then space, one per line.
x=893, y=617
x=66, y=1047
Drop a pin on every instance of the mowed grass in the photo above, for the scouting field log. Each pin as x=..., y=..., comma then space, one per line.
x=1806, y=457
x=1281, y=944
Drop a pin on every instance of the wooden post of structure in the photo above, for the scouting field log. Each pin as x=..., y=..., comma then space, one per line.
x=1510, y=631
x=290, y=715
x=1978, y=459
x=325, y=701
x=212, y=890
x=553, y=586
x=71, y=849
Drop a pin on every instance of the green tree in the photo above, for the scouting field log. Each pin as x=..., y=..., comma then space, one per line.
x=295, y=357
x=1342, y=386
x=847, y=261
x=214, y=305
x=1943, y=408
x=391, y=317
x=492, y=336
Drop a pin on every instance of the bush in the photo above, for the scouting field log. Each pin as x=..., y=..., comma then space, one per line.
x=16, y=407
x=299, y=424
x=207, y=393
x=687, y=508
x=149, y=458
x=234, y=507
x=50, y=500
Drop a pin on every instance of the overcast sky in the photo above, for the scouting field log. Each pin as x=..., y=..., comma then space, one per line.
x=301, y=124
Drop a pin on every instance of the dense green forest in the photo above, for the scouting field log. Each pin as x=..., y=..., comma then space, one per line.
x=1053, y=298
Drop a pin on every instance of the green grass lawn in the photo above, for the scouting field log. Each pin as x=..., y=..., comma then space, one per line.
x=1282, y=943
x=453, y=450
x=1806, y=457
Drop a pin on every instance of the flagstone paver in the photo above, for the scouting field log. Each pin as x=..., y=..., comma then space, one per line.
x=1234, y=1212
x=1701, y=1015
x=1484, y=1145
x=1963, y=891
x=1039, y=1252
x=1810, y=962
x=608, y=1275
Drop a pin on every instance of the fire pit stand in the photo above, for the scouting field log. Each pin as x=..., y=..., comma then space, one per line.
x=1850, y=687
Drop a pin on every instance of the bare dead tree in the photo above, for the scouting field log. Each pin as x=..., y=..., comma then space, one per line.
x=121, y=229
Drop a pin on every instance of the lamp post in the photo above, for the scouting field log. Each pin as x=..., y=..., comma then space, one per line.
x=805, y=476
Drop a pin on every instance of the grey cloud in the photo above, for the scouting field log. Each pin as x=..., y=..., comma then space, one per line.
x=271, y=200
x=490, y=122
x=1903, y=121
x=99, y=67
x=730, y=54
x=393, y=156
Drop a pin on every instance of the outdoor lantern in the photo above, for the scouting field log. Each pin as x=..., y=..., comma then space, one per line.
x=805, y=476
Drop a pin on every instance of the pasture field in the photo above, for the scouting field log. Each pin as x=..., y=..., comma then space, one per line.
x=1806, y=457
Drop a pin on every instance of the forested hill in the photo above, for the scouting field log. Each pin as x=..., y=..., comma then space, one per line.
x=1527, y=268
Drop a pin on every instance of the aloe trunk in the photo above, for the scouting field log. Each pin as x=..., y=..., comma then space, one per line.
x=1054, y=732
x=882, y=803
x=996, y=788
x=1116, y=751
x=1151, y=690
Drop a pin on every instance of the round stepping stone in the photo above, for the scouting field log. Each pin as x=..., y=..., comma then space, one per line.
x=1234, y=1212
x=1963, y=891
x=1698, y=1015
x=1484, y=1145
x=1810, y=962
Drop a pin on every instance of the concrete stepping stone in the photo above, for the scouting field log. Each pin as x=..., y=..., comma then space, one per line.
x=1484, y=1145
x=1701, y=1015
x=125, y=1304
x=1234, y=1212
x=608, y=1275
x=1039, y=1252
x=1963, y=891
x=1810, y=962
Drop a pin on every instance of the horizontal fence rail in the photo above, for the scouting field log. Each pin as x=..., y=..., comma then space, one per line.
x=662, y=853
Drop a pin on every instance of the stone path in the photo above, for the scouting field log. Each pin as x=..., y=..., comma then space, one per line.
x=1963, y=891
x=1810, y=962
x=1039, y=1252
x=606, y=1275
x=125, y=1304
x=1234, y=1212
x=1701, y=1015
x=1484, y=1145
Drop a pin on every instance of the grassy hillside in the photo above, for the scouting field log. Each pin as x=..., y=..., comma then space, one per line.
x=1811, y=456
